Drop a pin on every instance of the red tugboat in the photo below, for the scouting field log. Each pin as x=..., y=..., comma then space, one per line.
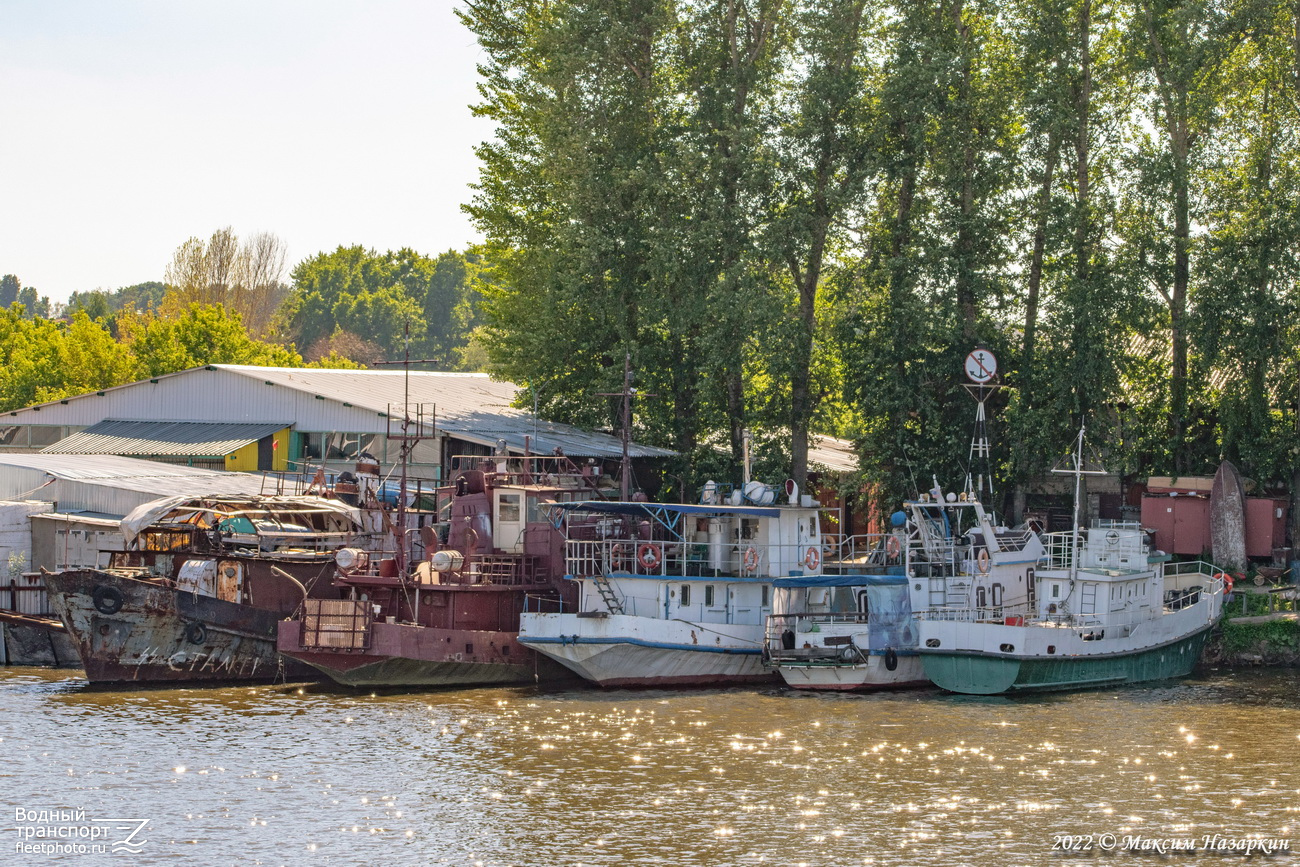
x=452, y=619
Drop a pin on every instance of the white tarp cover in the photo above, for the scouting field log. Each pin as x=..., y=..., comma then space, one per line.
x=185, y=508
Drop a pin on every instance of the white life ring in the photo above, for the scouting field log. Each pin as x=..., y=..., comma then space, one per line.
x=813, y=558
x=893, y=547
x=648, y=555
x=982, y=561
x=750, y=559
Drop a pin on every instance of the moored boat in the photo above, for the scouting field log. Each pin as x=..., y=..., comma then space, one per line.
x=1105, y=609
x=198, y=593
x=675, y=594
x=452, y=617
x=844, y=632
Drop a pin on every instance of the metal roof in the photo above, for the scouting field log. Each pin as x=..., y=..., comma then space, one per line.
x=833, y=453
x=469, y=406
x=23, y=474
x=182, y=438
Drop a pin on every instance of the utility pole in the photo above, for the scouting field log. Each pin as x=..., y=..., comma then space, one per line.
x=628, y=392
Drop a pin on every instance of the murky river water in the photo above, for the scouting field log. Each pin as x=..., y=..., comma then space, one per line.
x=304, y=775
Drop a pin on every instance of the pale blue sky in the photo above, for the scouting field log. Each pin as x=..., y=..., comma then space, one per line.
x=127, y=126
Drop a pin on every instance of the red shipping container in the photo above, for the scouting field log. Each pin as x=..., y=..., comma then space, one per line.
x=1181, y=524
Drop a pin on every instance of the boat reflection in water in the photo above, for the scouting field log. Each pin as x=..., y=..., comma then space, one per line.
x=534, y=777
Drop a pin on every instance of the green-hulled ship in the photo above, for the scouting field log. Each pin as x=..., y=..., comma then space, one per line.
x=1103, y=609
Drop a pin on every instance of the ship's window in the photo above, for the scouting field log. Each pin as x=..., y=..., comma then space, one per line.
x=509, y=507
x=1056, y=591
x=708, y=594
x=534, y=514
x=863, y=608
x=765, y=599
x=686, y=595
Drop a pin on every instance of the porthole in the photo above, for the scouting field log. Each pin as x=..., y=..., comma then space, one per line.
x=1051, y=648
x=1007, y=648
x=932, y=642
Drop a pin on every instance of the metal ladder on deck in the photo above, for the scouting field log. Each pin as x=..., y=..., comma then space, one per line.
x=612, y=602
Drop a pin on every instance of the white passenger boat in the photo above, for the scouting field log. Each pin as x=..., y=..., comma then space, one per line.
x=675, y=594
x=844, y=632
x=1104, y=609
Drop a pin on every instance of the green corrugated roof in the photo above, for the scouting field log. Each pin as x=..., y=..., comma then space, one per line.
x=157, y=438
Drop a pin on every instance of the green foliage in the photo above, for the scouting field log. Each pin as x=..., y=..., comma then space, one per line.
x=354, y=294
x=804, y=213
x=200, y=335
x=104, y=304
x=45, y=361
x=1273, y=635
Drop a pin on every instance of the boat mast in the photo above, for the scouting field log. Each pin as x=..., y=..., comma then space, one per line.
x=1074, y=523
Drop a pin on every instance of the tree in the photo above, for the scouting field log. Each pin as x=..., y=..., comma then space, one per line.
x=372, y=297
x=200, y=335
x=245, y=277
x=9, y=288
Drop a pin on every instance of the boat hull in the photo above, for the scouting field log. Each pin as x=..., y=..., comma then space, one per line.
x=623, y=650
x=128, y=630
x=977, y=673
x=872, y=674
x=403, y=655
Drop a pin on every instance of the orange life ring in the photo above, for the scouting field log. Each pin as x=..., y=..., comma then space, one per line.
x=1227, y=582
x=893, y=547
x=813, y=558
x=750, y=559
x=982, y=560
x=648, y=555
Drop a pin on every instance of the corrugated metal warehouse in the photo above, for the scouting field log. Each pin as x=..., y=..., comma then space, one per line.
x=267, y=418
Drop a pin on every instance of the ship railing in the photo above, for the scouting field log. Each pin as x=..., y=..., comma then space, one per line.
x=536, y=603
x=1058, y=550
x=508, y=569
x=1010, y=615
x=1014, y=540
x=787, y=634
x=1184, y=582
x=863, y=550
x=555, y=471
x=676, y=559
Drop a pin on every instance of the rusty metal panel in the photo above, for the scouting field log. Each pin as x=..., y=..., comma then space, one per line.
x=1265, y=526
x=230, y=581
x=1181, y=524
x=340, y=624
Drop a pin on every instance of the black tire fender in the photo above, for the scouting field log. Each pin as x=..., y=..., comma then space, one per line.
x=891, y=658
x=107, y=599
x=196, y=633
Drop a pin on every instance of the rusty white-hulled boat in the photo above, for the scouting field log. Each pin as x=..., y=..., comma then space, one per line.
x=675, y=594
x=198, y=592
x=452, y=617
